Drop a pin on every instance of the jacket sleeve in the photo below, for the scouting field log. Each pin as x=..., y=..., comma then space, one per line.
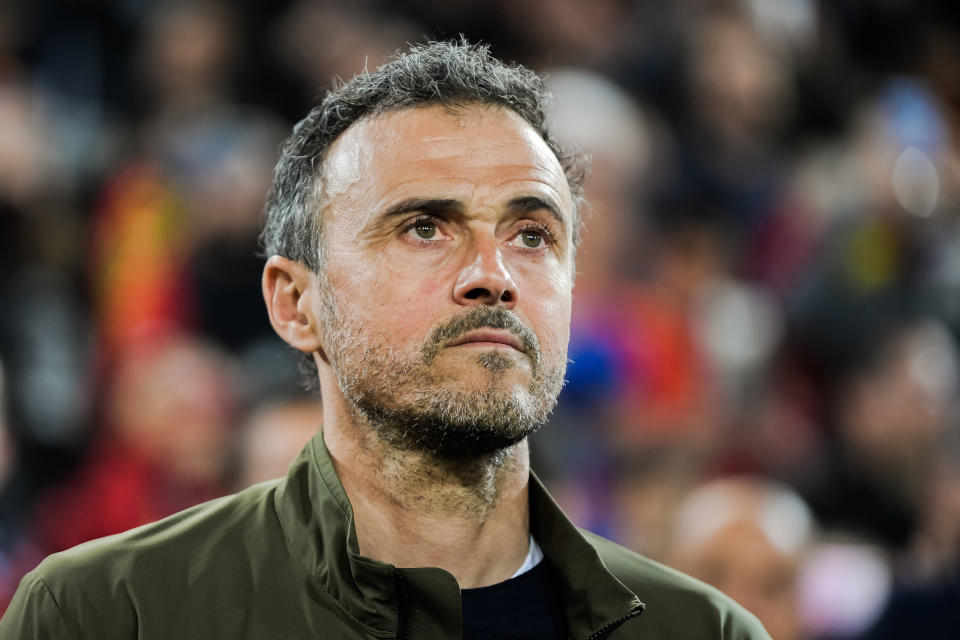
x=742, y=625
x=34, y=614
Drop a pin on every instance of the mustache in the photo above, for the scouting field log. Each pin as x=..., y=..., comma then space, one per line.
x=483, y=317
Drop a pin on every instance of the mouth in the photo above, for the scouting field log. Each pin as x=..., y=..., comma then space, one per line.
x=488, y=338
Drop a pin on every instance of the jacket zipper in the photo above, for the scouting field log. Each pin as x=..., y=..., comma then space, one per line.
x=609, y=627
x=403, y=622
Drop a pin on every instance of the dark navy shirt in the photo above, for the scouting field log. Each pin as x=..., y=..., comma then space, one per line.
x=528, y=607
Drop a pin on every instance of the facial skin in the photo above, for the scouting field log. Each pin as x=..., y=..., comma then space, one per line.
x=442, y=315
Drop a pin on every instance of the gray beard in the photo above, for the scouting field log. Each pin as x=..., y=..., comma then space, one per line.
x=409, y=409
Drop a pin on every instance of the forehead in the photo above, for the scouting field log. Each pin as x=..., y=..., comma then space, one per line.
x=464, y=152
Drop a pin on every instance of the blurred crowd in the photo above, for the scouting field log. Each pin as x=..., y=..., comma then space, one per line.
x=763, y=387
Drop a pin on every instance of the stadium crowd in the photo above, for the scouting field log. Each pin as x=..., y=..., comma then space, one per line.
x=763, y=386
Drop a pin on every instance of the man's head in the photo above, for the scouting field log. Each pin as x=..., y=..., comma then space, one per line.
x=422, y=226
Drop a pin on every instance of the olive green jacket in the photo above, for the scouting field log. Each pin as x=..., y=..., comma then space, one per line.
x=280, y=561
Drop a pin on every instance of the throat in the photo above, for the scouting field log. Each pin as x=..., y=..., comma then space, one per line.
x=411, y=509
x=432, y=486
x=423, y=479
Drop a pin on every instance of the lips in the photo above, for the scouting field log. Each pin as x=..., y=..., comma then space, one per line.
x=488, y=336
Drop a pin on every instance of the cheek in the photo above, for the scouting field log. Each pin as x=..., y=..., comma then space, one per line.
x=409, y=289
x=431, y=287
x=399, y=311
x=404, y=262
x=407, y=296
x=548, y=304
x=555, y=335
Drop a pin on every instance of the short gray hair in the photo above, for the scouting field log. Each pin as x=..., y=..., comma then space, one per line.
x=452, y=74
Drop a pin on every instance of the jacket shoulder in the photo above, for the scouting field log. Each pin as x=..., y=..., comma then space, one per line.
x=110, y=583
x=180, y=538
x=34, y=613
x=677, y=605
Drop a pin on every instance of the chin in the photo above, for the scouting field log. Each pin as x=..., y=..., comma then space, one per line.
x=487, y=369
x=451, y=423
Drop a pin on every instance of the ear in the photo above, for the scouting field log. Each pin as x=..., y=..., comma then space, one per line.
x=286, y=290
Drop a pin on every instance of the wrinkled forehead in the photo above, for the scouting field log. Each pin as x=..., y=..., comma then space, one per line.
x=489, y=144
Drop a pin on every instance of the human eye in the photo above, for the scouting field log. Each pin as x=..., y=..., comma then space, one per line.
x=533, y=236
x=424, y=229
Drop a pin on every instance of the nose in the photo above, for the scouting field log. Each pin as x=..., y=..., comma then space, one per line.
x=485, y=279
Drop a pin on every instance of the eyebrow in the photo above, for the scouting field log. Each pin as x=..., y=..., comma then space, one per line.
x=429, y=206
x=436, y=206
x=529, y=204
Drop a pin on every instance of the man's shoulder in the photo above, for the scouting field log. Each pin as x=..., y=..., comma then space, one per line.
x=671, y=596
x=184, y=538
x=641, y=574
x=172, y=564
x=188, y=575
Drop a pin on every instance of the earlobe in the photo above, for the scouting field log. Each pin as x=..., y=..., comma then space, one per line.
x=286, y=289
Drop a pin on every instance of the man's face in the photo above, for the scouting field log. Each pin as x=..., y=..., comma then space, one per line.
x=445, y=298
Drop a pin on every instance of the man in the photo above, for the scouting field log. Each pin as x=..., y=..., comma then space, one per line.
x=421, y=233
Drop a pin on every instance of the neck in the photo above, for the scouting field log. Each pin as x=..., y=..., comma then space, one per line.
x=413, y=510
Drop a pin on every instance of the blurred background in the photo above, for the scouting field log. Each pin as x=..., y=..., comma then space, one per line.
x=764, y=380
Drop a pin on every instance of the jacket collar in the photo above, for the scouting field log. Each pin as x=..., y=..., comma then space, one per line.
x=317, y=522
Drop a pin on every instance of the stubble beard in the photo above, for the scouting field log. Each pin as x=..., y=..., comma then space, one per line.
x=410, y=409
